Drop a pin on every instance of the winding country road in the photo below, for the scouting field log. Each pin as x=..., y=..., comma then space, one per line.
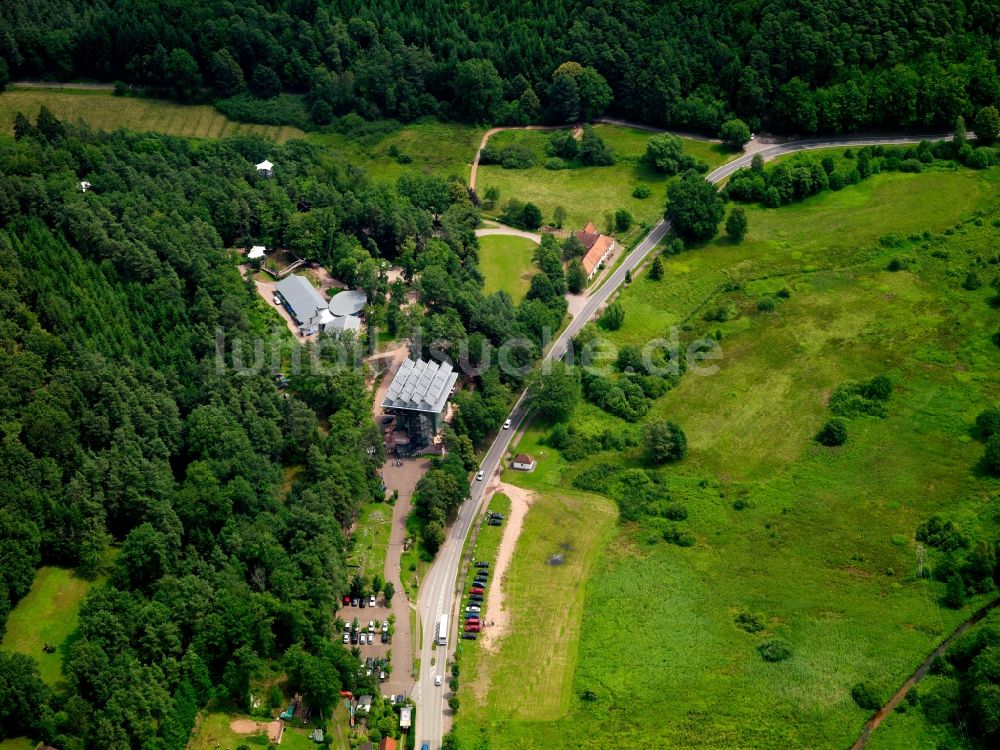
x=439, y=593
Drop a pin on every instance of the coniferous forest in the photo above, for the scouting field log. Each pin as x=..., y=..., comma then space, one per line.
x=802, y=67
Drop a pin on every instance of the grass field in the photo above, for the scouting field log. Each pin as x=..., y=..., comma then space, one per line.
x=833, y=229
x=530, y=675
x=588, y=192
x=506, y=264
x=370, y=540
x=17, y=743
x=213, y=732
x=444, y=149
x=47, y=614
x=823, y=546
x=103, y=111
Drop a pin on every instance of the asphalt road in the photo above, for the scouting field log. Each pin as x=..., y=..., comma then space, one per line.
x=438, y=592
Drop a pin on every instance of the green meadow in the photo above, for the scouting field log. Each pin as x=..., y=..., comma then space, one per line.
x=505, y=262
x=103, y=111
x=587, y=193
x=817, y=542
x=48, y=613
x=543, y=591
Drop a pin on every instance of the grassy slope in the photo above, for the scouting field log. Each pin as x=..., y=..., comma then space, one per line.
x=47, y=614
x=104, y=111
x=440, y=148
x=506, y=264
x=213, y=732
x=588, y=192
x=530, y=675
x=824, y=549
x=370, y=541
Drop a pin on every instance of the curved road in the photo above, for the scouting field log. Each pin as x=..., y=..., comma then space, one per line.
x=438, y=592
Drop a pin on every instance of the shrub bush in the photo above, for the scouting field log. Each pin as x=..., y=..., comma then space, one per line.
x=516, y=156
x=673, y=535
x=765, y=304
x=856, y=399
x=774, y=650
x=988, y=422
x=833, y=433
x=749, y=621
x=641, y=191
x=675, y=512
x=555, y=163
x=865, y=695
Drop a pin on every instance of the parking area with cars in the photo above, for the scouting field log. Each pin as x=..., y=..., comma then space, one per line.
x=368, y=627
x=476, y=583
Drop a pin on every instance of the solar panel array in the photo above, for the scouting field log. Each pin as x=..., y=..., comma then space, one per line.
x=421, y=386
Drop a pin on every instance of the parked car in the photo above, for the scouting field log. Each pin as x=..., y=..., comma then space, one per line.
x=369, y=663
x=354, y=639
x=362, y=602
x=371, y=600
x=479, y=580
x=506, y=425
x=495, y=522
x=381, y=676
x=371, y=626
x=480, y=475
x=385, y=637
x=354, y=602
x=472, y=627
x=471, y=615
x=475, y=597
x=470, y=636
x=347, y=600
x=347, y=638
x=472, y=608
x=276, y=299
x=497, y=516
x=482, y=564
x=477, y=590
x=385, y=626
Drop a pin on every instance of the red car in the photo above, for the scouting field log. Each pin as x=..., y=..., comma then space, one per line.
x=477, y=590
x=472, y=627
x=347, y=600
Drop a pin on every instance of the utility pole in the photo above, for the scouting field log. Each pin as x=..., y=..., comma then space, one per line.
x=920, y=561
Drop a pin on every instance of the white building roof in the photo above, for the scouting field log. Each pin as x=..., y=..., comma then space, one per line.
x=348, y=302
x=343, y=322
x=302, y=297
x=84, y=185
x=405, y=714
x=265, y=165
x=420, y=386
x=257, y=251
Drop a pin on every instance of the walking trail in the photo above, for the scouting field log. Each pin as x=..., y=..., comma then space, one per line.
x=500, y=229
x=888, y=708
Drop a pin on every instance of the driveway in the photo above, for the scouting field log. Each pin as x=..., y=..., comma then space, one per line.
x=266, y=291
x=403, y=479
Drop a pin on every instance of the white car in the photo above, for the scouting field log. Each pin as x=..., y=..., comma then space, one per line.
x=480, y=475
x=437, y=680
x=371, y=626
x=371, y=600
x=472, y=609
x=347, y=638
x=385, y=626
x=506, y=425
x=277, y=300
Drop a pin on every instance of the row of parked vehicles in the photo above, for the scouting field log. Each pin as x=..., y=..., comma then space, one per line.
x=358, y=635
x=376, y=665
x=360, y=601
x=477, y=592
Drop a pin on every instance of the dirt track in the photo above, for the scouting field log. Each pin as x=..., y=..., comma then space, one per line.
x=520, y=501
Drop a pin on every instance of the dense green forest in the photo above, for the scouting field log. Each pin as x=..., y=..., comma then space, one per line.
x=125, y=428
x=803, y=66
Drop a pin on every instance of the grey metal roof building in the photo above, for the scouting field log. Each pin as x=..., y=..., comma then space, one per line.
x=348, y=302
x=420, y=386
x=301, y=298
